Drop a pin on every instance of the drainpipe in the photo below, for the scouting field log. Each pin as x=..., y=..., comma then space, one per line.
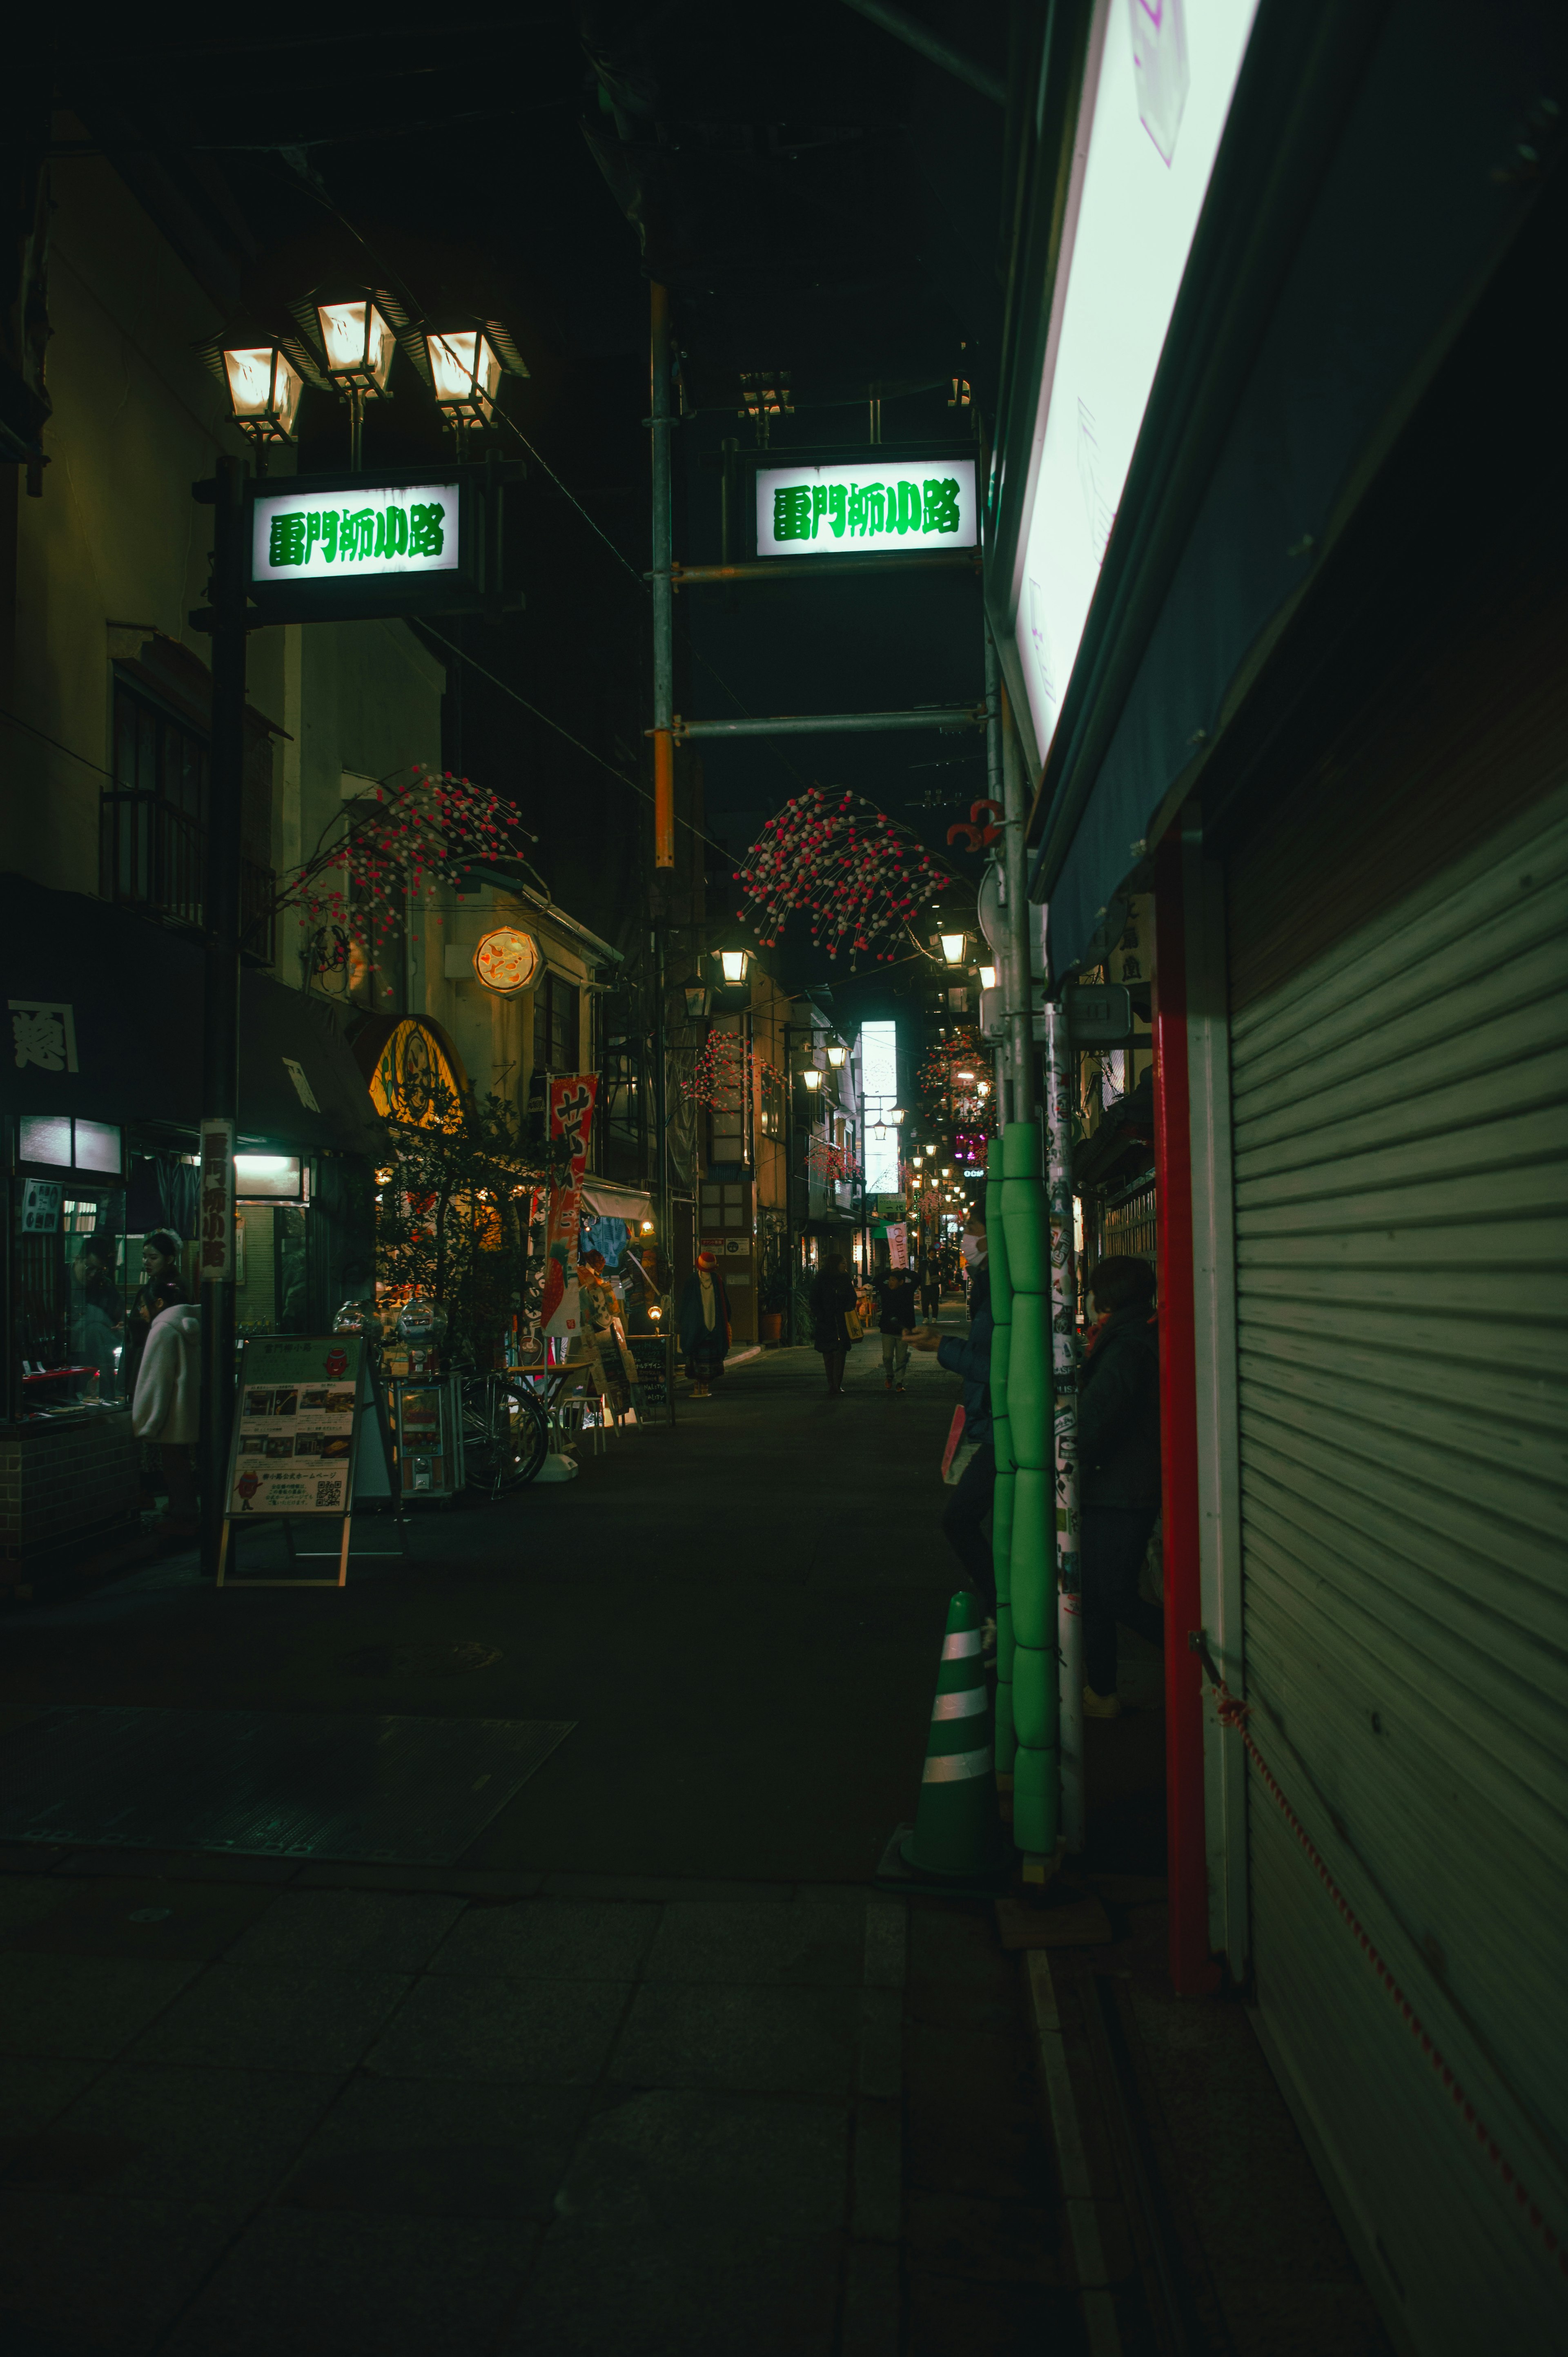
x=1192, y=1969
x=661, y=424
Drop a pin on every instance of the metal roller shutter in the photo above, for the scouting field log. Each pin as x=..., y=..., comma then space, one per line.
x=1401, y=1127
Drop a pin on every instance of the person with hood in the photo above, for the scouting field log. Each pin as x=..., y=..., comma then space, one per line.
x=971, y=1358
x=1118, y=1469
x=166, y=1409
x=703, y=1325
x=835, y=1320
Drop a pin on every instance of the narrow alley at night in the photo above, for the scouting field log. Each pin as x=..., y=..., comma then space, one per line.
x=784, y=896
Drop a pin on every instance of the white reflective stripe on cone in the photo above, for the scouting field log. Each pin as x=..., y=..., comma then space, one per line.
x=968, y=1705
x=961, y=1644
x=957, y=1767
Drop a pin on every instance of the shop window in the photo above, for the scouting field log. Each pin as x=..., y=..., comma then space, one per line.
x=58, y=1143
x=153, y=819
x=556, y=1014
x=67, y=1297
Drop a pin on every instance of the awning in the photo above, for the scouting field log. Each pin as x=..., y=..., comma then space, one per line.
x=103, y=1013
x=606, y=1199
x=1339, y=253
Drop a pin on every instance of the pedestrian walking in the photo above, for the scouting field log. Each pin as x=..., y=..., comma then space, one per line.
x=703, y=1325
x=835, y=1318
x=166, y=1409
x=931, y=1287
x=897, y=1323
x=969, y=1356
x=1118, y=1471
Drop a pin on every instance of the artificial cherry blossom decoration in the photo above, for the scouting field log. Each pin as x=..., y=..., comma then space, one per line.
x=834, y=856
x=721, y=1069
x=417, y=828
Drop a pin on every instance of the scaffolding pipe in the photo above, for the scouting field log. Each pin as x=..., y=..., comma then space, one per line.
x=993, y=791
x=820, y=568
x=1020, y=994
x=1064, y=1417
x=822, y=724
x=660, y=423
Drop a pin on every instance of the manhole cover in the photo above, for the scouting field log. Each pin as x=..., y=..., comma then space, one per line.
x=420, y=1661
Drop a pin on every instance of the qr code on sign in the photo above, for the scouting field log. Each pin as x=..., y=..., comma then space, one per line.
x=326, y=1493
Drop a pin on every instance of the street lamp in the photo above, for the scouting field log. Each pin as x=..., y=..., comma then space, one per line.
x=953, y=947
x=463, y=364
x=733, y=965
x=358, y=330
x=988, y=978
x=836, y=1053
x=896, y=1114
x=697, y=996
x=265, y=387
x=810, y=1078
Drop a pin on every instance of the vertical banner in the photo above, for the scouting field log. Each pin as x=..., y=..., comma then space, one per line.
x=572, y=1096
x=215, y=1203
x=897, y=1244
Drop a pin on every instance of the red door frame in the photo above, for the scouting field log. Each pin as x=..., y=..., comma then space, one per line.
x=1192, y=1968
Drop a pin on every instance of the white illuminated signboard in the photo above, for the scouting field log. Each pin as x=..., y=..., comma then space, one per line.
x=892, y=498
x=1167, y=70
x=355, y=535
x=879, y=1094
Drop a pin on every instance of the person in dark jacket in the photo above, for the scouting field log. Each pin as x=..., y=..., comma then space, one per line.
x=931, y=1287
x=704, y=1325
x=897, y=1323
x=971, y=1358
x=833, y=1299
x=1118, y=1471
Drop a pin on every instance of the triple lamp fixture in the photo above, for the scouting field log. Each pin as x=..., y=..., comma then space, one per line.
x=346, y=342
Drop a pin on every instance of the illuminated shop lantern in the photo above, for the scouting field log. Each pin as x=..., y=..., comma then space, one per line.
x=507, y=961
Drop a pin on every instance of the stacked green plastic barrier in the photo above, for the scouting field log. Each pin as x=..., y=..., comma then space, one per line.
x=1002, y=1503
x=1036, y=1701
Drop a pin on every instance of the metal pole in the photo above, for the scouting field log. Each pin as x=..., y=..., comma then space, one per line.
x=1020, y=994
x=789, y=1180
x=821, y=568
x=1064, y=1417
x=220, y=1036
x=826, y=723
x=993, y=788
x=662, y=1114
x=661, y=422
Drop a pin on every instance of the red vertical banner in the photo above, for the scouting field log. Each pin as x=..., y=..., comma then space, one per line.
x=572, y=1097
x=1192, y=1968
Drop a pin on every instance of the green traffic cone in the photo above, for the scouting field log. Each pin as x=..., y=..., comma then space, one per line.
x=955, y=1832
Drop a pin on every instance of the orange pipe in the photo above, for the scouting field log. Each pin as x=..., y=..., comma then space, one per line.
x=663, y=797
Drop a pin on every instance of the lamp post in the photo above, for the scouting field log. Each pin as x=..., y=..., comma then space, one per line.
x=220, y=1034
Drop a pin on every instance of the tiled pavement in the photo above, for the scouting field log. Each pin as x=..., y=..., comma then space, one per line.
x=314, y=2113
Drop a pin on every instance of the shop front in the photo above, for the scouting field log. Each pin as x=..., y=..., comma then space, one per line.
x=99, y=1103
x=1306, y=689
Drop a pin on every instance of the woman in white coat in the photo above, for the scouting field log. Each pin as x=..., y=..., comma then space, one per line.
x=166, y=1410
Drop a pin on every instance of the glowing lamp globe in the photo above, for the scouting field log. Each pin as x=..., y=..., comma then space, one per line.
x=263, y=390
x=357, y=338
x=466, y=371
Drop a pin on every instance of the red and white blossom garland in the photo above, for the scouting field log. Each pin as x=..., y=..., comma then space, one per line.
x=834, y=856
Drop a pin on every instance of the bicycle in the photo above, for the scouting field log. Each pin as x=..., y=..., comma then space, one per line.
x=506, y=1431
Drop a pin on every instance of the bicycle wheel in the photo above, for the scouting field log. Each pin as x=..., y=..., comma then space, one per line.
x=529, y=1431
x=484, y=1459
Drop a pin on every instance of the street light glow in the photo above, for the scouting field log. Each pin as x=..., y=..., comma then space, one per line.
x=467, y=372
x=265, y=390
x=358, y=341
